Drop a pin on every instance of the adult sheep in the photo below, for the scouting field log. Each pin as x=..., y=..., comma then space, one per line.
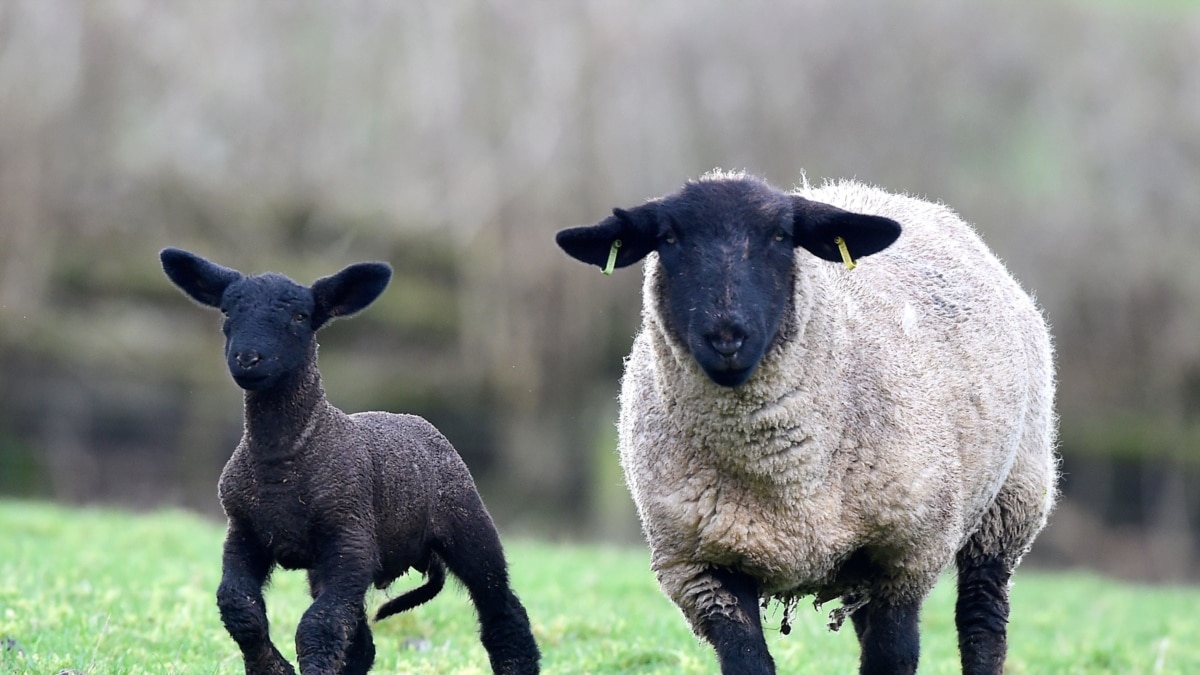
x=793, y=428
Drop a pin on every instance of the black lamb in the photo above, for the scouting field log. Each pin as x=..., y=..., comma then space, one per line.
x=354, y=499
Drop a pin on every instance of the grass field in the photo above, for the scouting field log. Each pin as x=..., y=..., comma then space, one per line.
x=94, y=591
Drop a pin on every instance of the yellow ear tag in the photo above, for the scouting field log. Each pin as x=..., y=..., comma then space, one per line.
x=846, y=259
x=612, y=258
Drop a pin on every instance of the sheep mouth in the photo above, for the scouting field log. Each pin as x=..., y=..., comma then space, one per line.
x=253, y=381
x=728, y=372
x=726, y=366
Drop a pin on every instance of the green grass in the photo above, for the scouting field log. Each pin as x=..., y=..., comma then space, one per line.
x=99, y=591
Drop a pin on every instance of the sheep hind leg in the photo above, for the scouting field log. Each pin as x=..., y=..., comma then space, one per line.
x=471, y=549
x=889, y=636
x=981, y=613
x=735, y=632
x=989, y=558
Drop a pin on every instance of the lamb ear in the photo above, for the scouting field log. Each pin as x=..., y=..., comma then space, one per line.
x=348, y=291
x=818, y=225
x=636, y=229
x=201, y=280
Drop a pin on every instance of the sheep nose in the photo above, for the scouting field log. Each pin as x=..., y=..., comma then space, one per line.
x=726, y=342
x=248, y=359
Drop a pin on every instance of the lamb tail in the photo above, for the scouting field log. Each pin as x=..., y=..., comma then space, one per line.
x=435, y=578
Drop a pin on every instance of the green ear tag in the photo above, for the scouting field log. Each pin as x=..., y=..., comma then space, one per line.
x=612, y=258
x=846, y=259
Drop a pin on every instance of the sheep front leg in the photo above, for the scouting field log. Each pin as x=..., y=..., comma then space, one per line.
x=360, y=654
x=729, y=619
x=245, y=566
x=330, y=638
x=888, y=636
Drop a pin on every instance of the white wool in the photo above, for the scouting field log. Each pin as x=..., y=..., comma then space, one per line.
x=902, y=398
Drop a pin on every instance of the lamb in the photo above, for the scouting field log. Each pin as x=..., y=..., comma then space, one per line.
x=354, y=499
x=791, y=428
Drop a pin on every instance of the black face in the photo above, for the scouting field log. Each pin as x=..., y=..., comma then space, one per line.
x=726, y=244
x=270, y=320
x=268, y=329
x=726, y=254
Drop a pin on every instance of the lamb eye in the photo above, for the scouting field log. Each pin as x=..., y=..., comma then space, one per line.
x=780, y=236
x=300, y=317
x=669, y=237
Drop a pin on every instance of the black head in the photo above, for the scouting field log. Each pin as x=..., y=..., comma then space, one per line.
x=270, y=320
x=726, y=245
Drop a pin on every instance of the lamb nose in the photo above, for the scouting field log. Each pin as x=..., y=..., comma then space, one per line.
x=248, y=359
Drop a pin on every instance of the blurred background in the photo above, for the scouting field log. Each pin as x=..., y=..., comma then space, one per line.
x=452, y=138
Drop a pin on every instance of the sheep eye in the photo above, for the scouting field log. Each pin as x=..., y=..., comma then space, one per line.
x=300, y=317
x=780, y=236
x=669, y=237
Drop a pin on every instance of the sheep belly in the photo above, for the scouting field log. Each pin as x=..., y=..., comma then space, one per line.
x=412, y=465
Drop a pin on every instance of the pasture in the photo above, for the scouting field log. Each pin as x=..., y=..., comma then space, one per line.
x=101, y=591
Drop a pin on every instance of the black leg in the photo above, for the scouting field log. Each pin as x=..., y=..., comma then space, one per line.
x=362, y=649
x=858, y=618
x=244, y=569
x=736, y=632
x=504, y=626
x=471, y=549
x=329, y=629
x=360, y=654
x=981, y=614
x=889, y=636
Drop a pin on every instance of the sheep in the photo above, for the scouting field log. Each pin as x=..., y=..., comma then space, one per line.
x=354, y=499
x=791, y=428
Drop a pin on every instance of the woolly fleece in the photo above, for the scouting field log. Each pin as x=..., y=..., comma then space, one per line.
x=904, y=410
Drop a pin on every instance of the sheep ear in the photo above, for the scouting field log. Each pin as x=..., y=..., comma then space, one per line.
x=348, y=291
x=201, y=280
x=635, y=229
x=818, y=225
